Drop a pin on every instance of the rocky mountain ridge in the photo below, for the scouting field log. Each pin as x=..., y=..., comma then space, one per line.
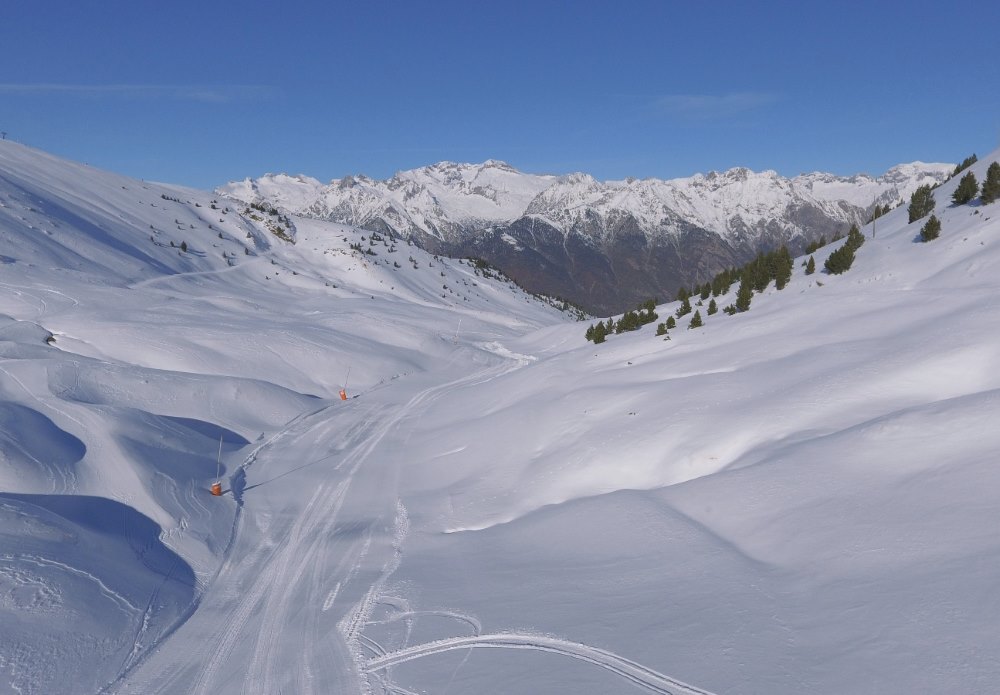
x=602, y=244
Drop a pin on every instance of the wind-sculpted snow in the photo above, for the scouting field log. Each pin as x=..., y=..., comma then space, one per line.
x=35, y=451
x=98, y=568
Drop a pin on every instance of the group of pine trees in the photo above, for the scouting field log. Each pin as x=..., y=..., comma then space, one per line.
x=968, y=187
x=630, y=321
x=841, y=260
x=754, y=276
x=922, y=203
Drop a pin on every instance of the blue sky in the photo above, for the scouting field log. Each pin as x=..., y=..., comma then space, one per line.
x=202, y=93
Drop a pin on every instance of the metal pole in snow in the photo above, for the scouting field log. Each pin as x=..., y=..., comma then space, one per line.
x=874, y=215
x=347, y=377
x=218, y=461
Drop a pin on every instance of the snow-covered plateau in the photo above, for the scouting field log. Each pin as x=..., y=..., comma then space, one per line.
x=801, y=498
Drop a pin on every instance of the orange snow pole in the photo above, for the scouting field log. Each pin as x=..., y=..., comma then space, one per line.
x=216, y=488
x=343, y=391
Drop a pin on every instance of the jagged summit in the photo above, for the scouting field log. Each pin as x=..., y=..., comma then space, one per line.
x=603, y=244
x=433, y=197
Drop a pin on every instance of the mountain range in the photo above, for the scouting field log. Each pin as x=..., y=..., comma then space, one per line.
x=604, y=245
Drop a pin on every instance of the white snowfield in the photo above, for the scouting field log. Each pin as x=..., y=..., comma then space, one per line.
x=798, y=499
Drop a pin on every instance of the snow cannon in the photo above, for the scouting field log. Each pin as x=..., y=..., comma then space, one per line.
x=216, y=489
x=343, y=394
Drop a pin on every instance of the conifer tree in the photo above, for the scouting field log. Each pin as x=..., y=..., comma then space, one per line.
x=921, y=203
x=743, y=296
x=712, y=307
x=685, y=308
x=966, y=163
x=840, y=261
x=967, y=189
x=696, y=321
x=855, y=238
x=670, y=322
x=931, y=230
x=811, y=266
x=661, y=329
x=991, y=186
x=782, y=268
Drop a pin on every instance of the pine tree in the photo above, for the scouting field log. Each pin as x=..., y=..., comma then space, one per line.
x=931, y=230
x=670, y=322
x=782, y=268
x=967, y=189
x=816, y=245
x=600, y=333
x=590, y=332
x=712, y=307
x=184, y=246
x=696, y=321
x=706, y=290
x=840, y=261
x=966, y=163
x=921, y=203
x=661, y=329
x=991, y=186
x=743, y=296
x=811, y=266
x=855, y=238
x=685, y=308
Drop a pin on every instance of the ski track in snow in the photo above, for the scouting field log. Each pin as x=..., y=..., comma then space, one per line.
x=285, y=567
x=636, y=673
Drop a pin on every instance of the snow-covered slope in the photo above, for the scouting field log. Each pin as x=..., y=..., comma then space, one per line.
x=794, y=499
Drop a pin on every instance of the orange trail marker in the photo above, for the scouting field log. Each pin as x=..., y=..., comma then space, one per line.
x=216, y=488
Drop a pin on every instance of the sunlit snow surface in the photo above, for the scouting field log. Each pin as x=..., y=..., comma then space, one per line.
x=797, y=499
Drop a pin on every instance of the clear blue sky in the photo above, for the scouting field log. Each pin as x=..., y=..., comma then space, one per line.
x=199, y=93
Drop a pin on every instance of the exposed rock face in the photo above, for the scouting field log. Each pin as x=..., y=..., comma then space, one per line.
x=603, y=245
